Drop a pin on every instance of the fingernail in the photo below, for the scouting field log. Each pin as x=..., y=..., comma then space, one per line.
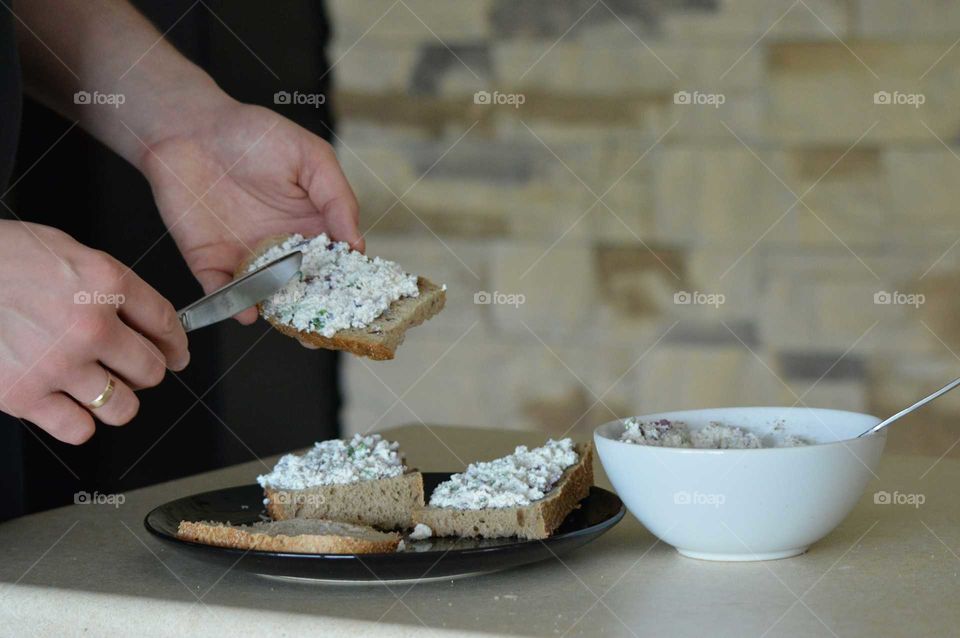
x=183, y=364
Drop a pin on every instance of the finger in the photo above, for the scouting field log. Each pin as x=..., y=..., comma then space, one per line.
x=330, y=192
x=62, y=418
x=213, y=279
x=248, y=316
x=307, y=344
x=149, y=313
x=343, y=227
x=139, y=363
x=89, y=381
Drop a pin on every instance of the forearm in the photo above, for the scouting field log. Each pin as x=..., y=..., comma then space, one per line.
x=107, y=47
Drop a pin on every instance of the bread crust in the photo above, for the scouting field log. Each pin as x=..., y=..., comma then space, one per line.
x=535, y=521
x=379, y=340
x=246, y=538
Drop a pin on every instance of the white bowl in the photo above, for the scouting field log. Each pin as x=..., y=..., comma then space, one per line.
x=737, y=505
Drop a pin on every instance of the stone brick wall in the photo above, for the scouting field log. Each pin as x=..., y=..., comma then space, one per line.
x=784, y=167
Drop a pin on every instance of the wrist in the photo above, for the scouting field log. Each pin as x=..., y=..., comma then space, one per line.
x=179, y=113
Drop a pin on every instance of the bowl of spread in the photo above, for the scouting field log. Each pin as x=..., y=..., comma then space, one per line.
x=740, y=484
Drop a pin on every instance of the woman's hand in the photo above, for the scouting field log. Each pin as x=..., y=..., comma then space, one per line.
x=68, y=315
x=225, y=175
x=235, y=174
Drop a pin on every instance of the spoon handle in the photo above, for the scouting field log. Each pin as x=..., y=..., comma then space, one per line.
x=925, y=400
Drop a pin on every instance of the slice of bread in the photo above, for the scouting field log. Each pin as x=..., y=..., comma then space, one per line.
x=380, y=339
x=535, y=521
x=383, y=503
x=300, y=536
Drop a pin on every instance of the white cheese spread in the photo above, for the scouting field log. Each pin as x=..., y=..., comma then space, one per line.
x=713, y=436
x=338, y=288
x=792, y=440
x=662, y=433
x=717, y=436
x=420, y=532
x=336, y=462
x=786, y=440
x=515, y=480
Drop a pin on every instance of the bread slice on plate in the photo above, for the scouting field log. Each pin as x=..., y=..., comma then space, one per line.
x=537, y=520
x=377, y=340
x=362, y=480
x=386, y=503
x=299, y=536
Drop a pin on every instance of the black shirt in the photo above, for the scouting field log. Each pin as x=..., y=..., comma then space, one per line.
x=262, y=393
x=11, y=473
x=10, y=98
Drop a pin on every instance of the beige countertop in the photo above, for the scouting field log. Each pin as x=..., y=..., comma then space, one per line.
x=889, y=569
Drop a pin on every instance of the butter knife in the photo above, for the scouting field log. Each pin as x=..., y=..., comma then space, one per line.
x=241, y=293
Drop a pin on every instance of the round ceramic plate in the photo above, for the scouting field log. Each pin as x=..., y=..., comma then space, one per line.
x=431, y=559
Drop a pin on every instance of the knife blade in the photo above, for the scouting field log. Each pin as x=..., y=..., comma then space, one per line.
x=241, y=293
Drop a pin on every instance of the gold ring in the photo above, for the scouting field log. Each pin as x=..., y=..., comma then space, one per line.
x=104, y=396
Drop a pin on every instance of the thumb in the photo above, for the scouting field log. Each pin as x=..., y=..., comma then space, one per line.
x=330, y=193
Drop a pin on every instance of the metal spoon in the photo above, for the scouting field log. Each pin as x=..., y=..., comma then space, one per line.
x=925, y=400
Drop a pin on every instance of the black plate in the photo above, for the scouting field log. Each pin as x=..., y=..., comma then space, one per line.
x=434, y=558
